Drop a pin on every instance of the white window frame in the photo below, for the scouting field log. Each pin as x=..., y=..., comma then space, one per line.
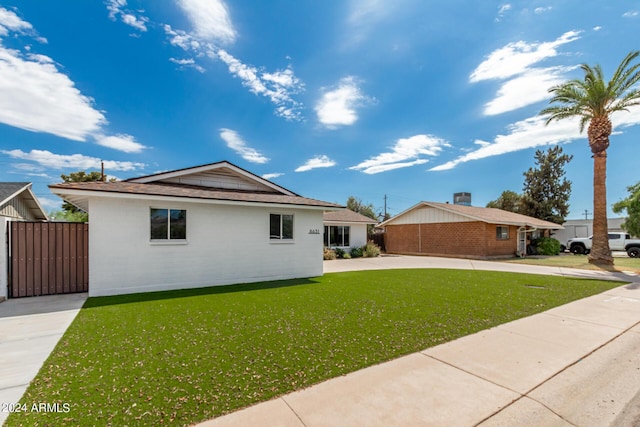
x=327, y=237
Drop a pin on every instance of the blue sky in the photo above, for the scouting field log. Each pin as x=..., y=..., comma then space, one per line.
x=410, y=99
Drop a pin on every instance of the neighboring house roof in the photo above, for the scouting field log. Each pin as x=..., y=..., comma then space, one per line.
x=347, y=215
x=23, y=192
x=488, y=215
x=221, y=181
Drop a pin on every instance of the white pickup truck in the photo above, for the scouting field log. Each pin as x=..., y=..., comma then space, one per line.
x=618, y=241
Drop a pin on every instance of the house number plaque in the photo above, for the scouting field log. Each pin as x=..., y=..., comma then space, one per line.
x=314, y=231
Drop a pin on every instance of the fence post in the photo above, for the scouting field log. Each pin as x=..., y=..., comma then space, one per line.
x=4, y=258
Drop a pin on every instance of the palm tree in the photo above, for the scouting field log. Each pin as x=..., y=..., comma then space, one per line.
x=593, y=101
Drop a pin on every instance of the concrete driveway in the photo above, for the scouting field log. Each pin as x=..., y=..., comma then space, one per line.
x=404, y=261
x=30, y=328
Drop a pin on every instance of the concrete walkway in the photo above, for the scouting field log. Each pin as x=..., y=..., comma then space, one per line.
x=30, y=328
x=574, y=365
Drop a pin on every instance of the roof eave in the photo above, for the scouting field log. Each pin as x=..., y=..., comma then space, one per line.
x=83, y=196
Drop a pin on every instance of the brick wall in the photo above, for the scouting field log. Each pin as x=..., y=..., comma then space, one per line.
x=460, y=239
x=497, y=247
x=401, y=238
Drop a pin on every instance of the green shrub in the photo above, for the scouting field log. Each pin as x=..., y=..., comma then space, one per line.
x=356, y=252
x=328, y=254
x=547, y=246
x=346, y=255
x=371, y=250
x=339, y=252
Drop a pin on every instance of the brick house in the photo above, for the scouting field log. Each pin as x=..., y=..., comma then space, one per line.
x=443, y=229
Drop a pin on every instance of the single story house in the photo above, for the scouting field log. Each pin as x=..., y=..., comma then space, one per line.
x=444, y=229
x=207, y=225
x=17, y=203
x=345, y=228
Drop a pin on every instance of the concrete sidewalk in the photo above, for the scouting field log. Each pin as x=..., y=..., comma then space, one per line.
x=574, y=365
x=395, y=262
x=30, y=328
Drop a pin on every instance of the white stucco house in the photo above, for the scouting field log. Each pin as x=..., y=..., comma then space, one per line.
x=207, y=225
x=17, y=203
x=345, y=229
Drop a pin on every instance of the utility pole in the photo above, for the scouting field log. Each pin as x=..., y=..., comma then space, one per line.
x=385, y=207
x=586, y=214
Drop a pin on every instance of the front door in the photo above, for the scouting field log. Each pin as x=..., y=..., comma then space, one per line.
x=522, y=242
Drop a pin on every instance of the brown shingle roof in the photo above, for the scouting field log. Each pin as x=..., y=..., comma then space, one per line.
x=347, y=215
x=489, y=215
x=186, y=191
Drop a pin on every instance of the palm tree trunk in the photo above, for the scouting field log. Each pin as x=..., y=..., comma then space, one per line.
x=600, y=252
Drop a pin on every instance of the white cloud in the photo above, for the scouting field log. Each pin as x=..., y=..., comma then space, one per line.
x=72, y=161
x=515, y=58
x=532, y=132
x=365, y=16
x=35, y=96
x=210, y=20
x=272, y=175
x=540, y=10
x=117, y=8
x=184, y=40
x=9, y=21
x=278, y=87
x=212, y=27
x=525, y=84
x=316, y=162
x=631, y=14
x=187, y=63
x=366, y=11
x=337, y=107
x=137, y=22
x=404, y=153
x=120, y=142
x=237, y=144
x=504, y=8
x=528, y=133
x=597, y=28
x=530, y=87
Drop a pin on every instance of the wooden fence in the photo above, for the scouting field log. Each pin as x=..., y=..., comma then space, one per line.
x=48, y=258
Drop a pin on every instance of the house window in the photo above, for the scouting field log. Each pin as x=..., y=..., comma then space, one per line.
x=337, y=235
x=280, y=227
x=502, y=233
x=168, y=224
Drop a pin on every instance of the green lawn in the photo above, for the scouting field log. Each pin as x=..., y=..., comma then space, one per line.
x=580, y=261
x=180, y=357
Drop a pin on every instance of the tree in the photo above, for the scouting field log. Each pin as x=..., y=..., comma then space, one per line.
x=546, y=191
x=71, y=212
x=508, y=201
x=593, y=101
x=357, y=205
x=69, y=216
x=632, y=205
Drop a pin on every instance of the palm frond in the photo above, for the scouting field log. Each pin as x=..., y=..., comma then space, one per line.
x=592, y=96
x=630, y=78
x=622, y=73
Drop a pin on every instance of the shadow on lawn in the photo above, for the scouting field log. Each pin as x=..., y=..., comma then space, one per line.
x=95, y=302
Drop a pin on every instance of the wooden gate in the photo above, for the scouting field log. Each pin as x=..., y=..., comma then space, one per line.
x=48, y=258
